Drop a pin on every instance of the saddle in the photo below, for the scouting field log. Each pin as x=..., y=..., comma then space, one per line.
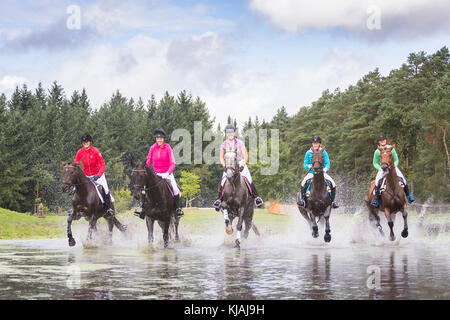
x=383, y=185
x=308, y=186
x=247, y=183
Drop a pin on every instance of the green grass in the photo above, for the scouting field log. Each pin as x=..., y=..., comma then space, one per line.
x=15, y=225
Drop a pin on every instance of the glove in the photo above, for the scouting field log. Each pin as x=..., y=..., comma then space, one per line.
x=241, y=163
x=309, y=166
x=96, y=177
x=241, y=168
x=325, y=170
x=165, y=175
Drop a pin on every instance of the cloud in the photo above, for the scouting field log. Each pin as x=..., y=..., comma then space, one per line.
x=360, y=18
x=9, y=83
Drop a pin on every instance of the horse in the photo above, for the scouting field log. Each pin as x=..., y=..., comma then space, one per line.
x=318, y=204
x=85, y=202
x=393, y=199
x=156, y=200
x=236, y=200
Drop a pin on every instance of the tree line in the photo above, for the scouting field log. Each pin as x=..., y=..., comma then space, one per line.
x=42, y=128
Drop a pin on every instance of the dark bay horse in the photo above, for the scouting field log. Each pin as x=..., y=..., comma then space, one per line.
x=392, y=199
x=318, y=204
x=236, y=200
x=156, y=200
x=85, y=202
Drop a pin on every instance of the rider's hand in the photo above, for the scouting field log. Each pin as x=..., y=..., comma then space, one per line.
x=309, y=166
x=165, y=175
x=96, y=177
x=325, y=170
x=241, y=168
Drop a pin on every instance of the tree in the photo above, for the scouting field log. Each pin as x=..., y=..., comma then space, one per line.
x=190, y=184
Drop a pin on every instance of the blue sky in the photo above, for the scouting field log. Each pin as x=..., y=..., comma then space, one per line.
x=243, y=58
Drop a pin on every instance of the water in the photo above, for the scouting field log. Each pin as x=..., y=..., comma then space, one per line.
x=287, y=265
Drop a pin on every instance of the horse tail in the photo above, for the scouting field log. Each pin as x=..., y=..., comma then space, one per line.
x=255, y=229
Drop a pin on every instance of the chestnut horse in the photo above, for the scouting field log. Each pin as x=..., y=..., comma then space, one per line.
x=318, y=204
x=85, y=202
x=392, y=199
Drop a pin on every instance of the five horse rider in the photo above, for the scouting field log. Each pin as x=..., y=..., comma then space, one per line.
x=161, y=156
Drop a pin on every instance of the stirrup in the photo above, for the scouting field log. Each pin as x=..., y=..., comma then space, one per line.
x=110, y=212
x=217, y=204
x=334, y=205
x=258, y=201
x=374, y=202
x=301, y=203
x=411, y=198
x=179, y=213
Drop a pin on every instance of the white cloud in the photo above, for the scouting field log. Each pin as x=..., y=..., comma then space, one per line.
x=400, y=17
x=9, y=83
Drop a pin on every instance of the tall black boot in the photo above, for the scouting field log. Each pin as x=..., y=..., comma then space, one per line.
x=178, y=211
x=107, y=204
x=376, y=199
x=258, y=200
x=302, y=201
x=408, y=196
x=333, y=195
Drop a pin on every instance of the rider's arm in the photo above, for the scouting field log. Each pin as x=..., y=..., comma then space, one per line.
x=222, y=156
x=78, y=157
x=307, y=160
x=326, y=161
x=101, y=164
x=244, y=154
x=394, y=154
x=149, y=156
x=376, y=160
x=171, y=160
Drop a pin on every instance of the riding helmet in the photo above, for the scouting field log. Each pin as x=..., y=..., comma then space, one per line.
x=316, y=139
x=230, y=128
x=86, y=137
x=382, y=138
x=160, y=133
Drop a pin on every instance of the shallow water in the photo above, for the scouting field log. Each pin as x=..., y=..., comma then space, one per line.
x=288, y=265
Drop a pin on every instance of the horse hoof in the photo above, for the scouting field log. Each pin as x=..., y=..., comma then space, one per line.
x=405, y=233
x=392, y=238
x=72, y=242
x=237, y=244
x=327, y=237
x=315, y=235
x=228, y=229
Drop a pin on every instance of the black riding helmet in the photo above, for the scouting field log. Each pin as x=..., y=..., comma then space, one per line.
x=229, y=127
x=86, y=137
x=160, y=133
x=382, y=138
x=316, y=139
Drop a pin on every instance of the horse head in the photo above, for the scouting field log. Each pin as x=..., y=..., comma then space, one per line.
x=386, y=157
x=138, y=180
x=317, y=161
x=231, y=164
x=69, y=175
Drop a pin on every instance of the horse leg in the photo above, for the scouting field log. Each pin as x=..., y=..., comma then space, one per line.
x=239, y=228
x=387, y=213
x=166, y=233
x=119, y=226
x=72, y=241
x=405, y=219
x=248, y=225
x=92, y=227
x=110, y=228
x=150, y=222
x=228, y=224
x=176, y=222
x=327, y=236
x=314, y=227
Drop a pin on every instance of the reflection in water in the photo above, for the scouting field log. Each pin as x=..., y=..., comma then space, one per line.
x=45, y=270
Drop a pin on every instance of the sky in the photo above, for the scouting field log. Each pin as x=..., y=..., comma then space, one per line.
x=243, y=58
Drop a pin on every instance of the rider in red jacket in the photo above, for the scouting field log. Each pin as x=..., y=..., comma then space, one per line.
x=94, y=168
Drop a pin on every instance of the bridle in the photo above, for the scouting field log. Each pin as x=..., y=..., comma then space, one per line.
x=72, y=183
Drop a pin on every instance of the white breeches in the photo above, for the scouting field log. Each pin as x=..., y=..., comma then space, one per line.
x=102, y=181
x=380, y=175
x=171, y=177
x=311, y=175
x=245, y=173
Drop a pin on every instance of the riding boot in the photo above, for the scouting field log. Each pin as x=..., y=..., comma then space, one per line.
x=178, y=211
x=302, y=201
x=408, y=196
x=258, y=200
x=107, y=205
x=333, y=195
x=218, y=202
x=376, y=199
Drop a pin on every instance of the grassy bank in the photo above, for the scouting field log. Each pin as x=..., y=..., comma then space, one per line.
x=14, y=225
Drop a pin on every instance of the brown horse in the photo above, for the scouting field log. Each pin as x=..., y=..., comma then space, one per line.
x=393, y=199
x=318, y=204
x=85, y=202
x=156, y=200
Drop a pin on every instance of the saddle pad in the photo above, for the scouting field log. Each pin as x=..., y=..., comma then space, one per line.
x=246, y=183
